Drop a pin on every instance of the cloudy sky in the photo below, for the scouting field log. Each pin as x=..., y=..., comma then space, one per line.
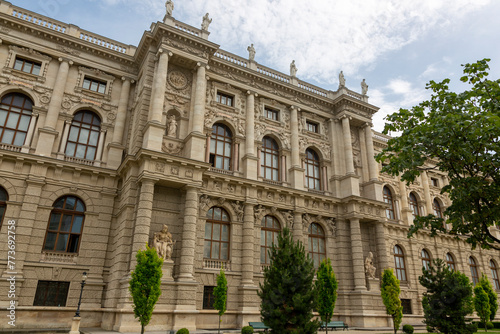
x=396, y=45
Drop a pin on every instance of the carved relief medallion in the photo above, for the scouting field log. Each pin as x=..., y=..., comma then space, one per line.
x=178, y=80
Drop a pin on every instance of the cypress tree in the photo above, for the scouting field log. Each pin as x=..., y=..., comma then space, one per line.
x=326, y=287
x=482, y=305
x=287, y=294
x=492, y=296
x=220, y=295
x=390, y=296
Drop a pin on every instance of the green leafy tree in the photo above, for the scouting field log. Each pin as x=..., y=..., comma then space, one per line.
x=326, y=288
x=492, y=296
x=220, y=295
x=448, y=299
x=482, y=305
x=390, y=296
x=287, y=294
x=145, y=284
x=459, y=132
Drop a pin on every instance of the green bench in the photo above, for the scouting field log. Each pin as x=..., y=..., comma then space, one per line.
x=334, y=325
x=258, y=325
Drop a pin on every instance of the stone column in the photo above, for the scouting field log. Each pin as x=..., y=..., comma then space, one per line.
x=115, y=147
x=248, y=245
x=250, y=160
x=298, y=232
x=100, y=146
x=29, y=135
x=357, y=255
x=406, y=215
x=189, y=234
x=427, y=193
x=153, y=135
x=372, y=165
x=64, y=139
x=297, y=172
x=143, y=219
x=383, y=261
x=48, y=133
x=346, y=130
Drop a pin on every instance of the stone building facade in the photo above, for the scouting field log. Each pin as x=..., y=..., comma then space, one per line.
x=102, y=144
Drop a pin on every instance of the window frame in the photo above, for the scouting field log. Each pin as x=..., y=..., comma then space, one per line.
x=91, y=81
x=474, y=271
x=494, y=274
x=413, y=203
x=275, y=113
x=44, y=290
x=436, y=207
x=312, y=126
x=318, y=239
x=425, y=256
x=220, y=223
x=400, y=266
x=274, y=230
x=435, y=182
x=220, y=96
x=95, y=75
x=225, y=138
x=406, y=304
x=25, y=61
x=450, y=261
x=208, y=297
x=272, y=152
x=83, y=126
x=314, y=163
x=4, y=198
x=29, y=55
x=10, y=109
x=389, y=199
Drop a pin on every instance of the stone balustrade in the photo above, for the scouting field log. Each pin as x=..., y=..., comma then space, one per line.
x=216, y=264
x=187, y=29
x=273, y=74
x=231, y=58
x=313, y=89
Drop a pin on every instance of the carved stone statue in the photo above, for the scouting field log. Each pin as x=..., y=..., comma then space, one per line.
x=206, y=22
x=169, y=5
x=293, y=69
x=172, y=126
x=369, y=267
x=341, y=79
x=163, y=243
x=258, y=211
x=251, y=52
x=364, y=87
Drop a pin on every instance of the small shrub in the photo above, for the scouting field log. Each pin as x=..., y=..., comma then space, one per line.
x=429, y=329
x=183, y=331
x=247, y=330
x=408, y=329
x=489, y=325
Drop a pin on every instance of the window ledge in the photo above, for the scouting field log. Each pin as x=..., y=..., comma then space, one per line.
x=93, y=94
x=8, y=147
x=24, y=75
x=216, y=264
x=221, y=171
x=79, y=160
x=59, y=257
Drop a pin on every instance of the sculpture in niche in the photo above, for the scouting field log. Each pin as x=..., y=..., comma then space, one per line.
x=172, y=126
x=364, y=87
x=205, y=202
x=341, y=79
x=288, y=216
x=206, y=22
x=169, y=5
x=163, y=243
x=258, y=211
x=251, y=52
x=238, y=210
x=369, y=267
x=293, y=69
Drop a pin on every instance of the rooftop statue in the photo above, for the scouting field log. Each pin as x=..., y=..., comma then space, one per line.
x=364, y=87
x=341, y=79
x=206, y=22
x=251, y=52
x=293, y=69
x=170, y=7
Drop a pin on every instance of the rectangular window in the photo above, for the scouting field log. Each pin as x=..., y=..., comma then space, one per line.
x=226, y=99
x=434, y=182
x=27, y=66
x=208, y=298
x=271, y=114
x=51, y=293
x=406, y=303
x=312, y=127
x=94, y=85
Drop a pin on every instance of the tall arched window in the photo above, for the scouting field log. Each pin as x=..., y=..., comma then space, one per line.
x=317, y=249
x=426, y=259
x=220, y=147
x=313, y=178
x=399, y=263
x=15, y=118
x=270, y=228
x=65, y=225
x=494, y=274
x=3, y=203
x=473, y=270
x=450, y=261
x=414, y=205
x=389, y=212
x=83, y=135
x=437, y=209
x=217, y=235
x=269, y=159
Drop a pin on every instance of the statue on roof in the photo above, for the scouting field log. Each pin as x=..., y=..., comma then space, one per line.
x=206, y=22
x=169, y=5
x=293, y=69
x=341, y=79
x=251, y=52
x=364, y=87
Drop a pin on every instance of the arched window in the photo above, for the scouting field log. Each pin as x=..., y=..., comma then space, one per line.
x=3, y=203
x=83, y=135
x=269, y=159
x=494, y=274
x=313, y=178
x=65, y=225
x=437, y=209
x=399, y=262
x=220, y=147
x=414, y=205
x=15, y=118
x=426, y=259
x=473, y=270
x=317, y=249
x=450, y=261
x=389, y=212
x=270, y=228
x=217, y=235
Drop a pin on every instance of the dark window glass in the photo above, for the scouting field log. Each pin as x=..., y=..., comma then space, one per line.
x=65, y=225
x=414, y=205
x=271, y=113
x=494, y=274
x=473, y=270
x=84, y=135
x=399, y=263
x=313, y=178
x=27, y=66
x=221, y=147
x=313, y=127
x=269, y=159
x=208, y=298
x=437, y=209
x=270, y=228
x=3, y=203
x=316, y=240
x=406, y=303
x=450, y=261
x=434, y=182
x=15, y=118
x=426, y=259
x=51, y=293
x=94, y=85
x=389, y=212
x=217, y=235
x=226, y=99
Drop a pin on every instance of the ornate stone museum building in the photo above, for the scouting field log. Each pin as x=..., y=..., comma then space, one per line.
x=102, y=144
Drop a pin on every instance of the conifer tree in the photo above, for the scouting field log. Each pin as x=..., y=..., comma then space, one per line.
x=482, y=305
x=220, y=295
x=390, y=296
x=145, y=285
x=287, y=294
x=326, y=287
x=492, y=296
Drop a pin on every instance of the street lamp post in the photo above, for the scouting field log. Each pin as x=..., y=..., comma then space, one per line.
x=84, y=278
x=75, y=324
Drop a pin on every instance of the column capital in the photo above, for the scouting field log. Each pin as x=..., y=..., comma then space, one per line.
x=65, y=60
x=128, y=79
x=250, y=92
x=294, y=108
x=368, y=125
x=200, y=64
